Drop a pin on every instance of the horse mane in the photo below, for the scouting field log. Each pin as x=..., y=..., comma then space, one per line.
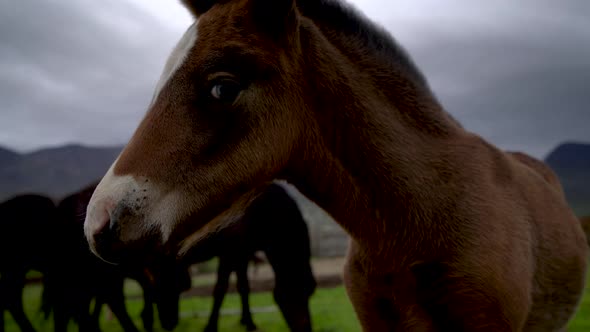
x=347, y=20
x=374, y=50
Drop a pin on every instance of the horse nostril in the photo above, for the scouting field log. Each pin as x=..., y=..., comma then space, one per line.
x=105, y=237
x=104, y=233
x=110, y=232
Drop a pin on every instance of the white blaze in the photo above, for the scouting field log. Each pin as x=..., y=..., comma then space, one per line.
x=177, y=58
x=157, y=209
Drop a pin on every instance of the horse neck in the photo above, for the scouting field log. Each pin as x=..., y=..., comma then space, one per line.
x=373, y=143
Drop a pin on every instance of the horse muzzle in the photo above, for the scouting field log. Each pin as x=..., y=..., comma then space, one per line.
x=117, y=235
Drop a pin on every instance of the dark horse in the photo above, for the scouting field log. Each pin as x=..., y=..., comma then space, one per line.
x=272, y=224
x=449, y=233
x=27, y=238
x=78, y=277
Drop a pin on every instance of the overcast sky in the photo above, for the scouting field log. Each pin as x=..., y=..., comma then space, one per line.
x=83, y=71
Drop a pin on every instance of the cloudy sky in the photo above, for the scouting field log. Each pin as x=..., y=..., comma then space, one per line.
x=83, y=71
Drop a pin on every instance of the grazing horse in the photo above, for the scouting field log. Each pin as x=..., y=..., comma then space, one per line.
x=27, y=239
x=449, y=233
x=78, y=277
x=274, y=225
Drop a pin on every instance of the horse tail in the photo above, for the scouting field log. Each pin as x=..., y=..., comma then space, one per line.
x=585, y=221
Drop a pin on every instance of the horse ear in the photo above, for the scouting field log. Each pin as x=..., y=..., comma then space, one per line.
x=274, y=15
x=198, y=7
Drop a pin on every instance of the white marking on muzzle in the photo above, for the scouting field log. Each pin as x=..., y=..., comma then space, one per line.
x=177, y=58
x=153, y=209
x=111, y=191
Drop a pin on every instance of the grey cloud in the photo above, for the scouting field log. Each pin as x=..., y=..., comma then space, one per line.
x=76, y=70
x=523, y=82
x=83, y=71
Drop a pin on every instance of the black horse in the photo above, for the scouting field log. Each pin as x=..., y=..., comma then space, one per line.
x=78, y=277
x=274, y=225
x=26, y=243
x=37, y=235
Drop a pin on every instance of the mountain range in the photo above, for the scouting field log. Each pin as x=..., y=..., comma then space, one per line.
x=54, y=172
x=59, y=171
x=571, y=162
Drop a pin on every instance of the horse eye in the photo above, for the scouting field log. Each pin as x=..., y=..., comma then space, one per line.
x=226, y=90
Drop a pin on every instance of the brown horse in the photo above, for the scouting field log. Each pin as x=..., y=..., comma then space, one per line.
x=449, y=233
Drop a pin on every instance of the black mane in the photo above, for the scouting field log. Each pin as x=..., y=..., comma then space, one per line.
x=349, y=21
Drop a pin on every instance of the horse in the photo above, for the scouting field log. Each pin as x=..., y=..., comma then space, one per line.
x=448, y=232
x=26, y=243
x=35, y=237
x=274, y=225
x=78, y=277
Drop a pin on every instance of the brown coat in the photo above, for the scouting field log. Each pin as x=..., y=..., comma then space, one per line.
x=449, y=233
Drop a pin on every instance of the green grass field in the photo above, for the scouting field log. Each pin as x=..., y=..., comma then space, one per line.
x=331, y=312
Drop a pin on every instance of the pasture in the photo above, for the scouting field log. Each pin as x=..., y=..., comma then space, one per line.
x=330, y=308
x=331, y=311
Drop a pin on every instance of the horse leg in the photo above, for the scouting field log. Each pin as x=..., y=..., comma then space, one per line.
x=223, y=272
x=294, y=306
x=79, y=310
x=244, y=290
x=60, y=320
x=147, y=313
x=119, y=310
x=294, y=285
x=293, y=303
x=14, y=302
x=18, y=313
x=2, y=305
x=116, y=302
x=1, y=315
x=4, y=301
x=95, y=316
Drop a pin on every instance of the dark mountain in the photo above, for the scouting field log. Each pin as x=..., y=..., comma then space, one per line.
x=62, y=170
x=7, y=156
x=54, y=172
x=571, y=162
x=570, y=156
